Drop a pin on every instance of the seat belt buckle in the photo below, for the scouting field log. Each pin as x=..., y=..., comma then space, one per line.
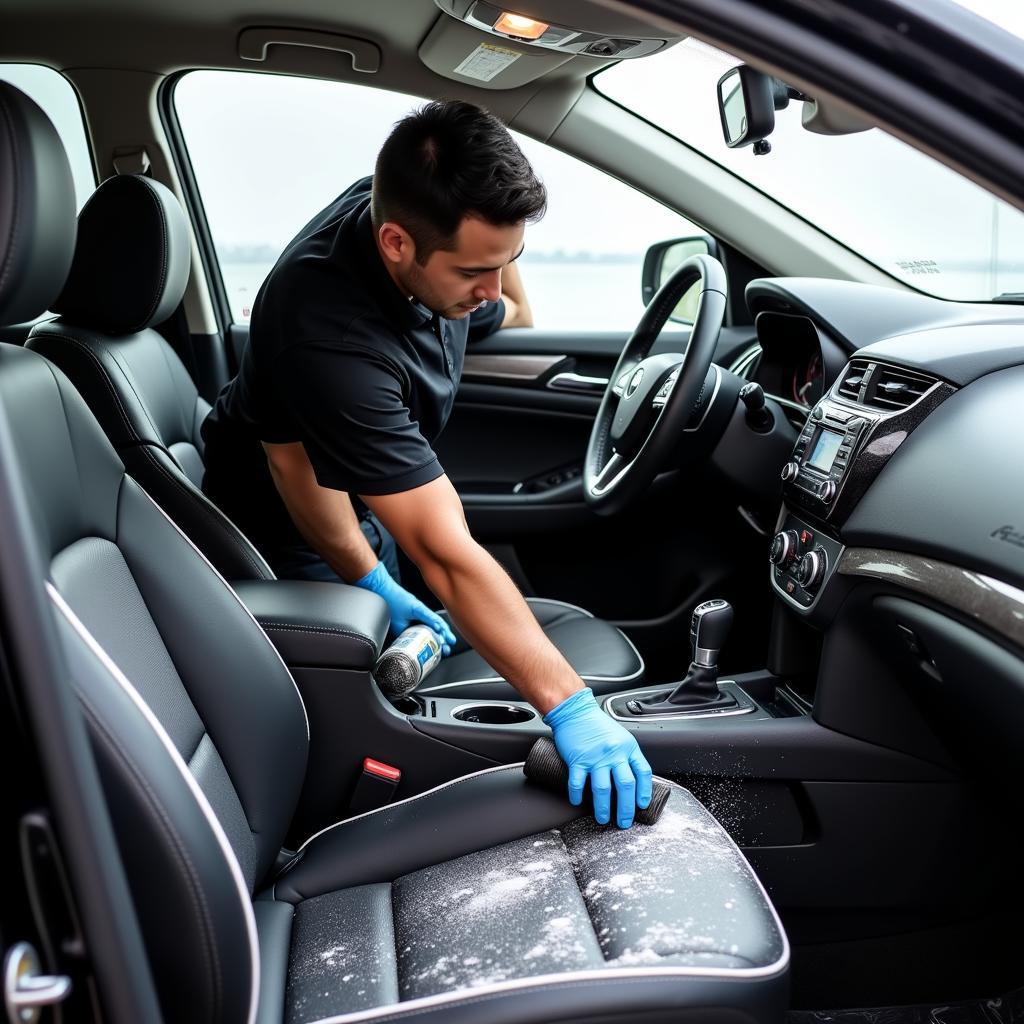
x=375, y=786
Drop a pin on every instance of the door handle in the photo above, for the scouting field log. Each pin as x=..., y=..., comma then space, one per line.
x=578, y=383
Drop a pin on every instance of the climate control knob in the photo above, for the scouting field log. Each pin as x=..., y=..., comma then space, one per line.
x=811, y=569
x=790, y=470
x=827, y=491
x=784, y=548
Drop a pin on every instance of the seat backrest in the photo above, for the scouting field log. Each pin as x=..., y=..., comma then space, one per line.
x=198, y=731
x=129, y=272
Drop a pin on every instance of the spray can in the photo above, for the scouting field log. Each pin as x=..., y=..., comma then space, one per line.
x=408, y=661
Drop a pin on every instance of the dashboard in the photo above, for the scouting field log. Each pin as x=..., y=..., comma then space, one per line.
x=894, y=359
x=900, y=540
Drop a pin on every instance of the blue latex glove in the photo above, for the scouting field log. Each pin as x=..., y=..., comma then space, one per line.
x=403, y=608
x=595, y=745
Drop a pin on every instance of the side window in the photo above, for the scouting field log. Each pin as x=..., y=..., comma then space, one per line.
x=58, y=100
x=582, y=263
x=269, y=152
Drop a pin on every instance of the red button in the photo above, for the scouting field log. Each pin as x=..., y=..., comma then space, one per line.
x=379, y=768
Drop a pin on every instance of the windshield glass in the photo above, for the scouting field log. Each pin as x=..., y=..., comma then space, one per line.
x=911, y=216
x=1007, y=14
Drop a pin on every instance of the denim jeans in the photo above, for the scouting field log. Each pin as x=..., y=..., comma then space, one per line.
x=300, y=562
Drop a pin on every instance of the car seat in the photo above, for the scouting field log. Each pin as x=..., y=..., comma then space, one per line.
x=129, y=273
x=485, y=899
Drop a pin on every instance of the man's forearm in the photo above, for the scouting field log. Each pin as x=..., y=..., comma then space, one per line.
x=517, y=305
x=493, y=616
x=348, y=553
x=324, y=517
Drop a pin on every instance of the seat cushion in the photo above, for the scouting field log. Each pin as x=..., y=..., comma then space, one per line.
x=569, y=908
x=603, y=655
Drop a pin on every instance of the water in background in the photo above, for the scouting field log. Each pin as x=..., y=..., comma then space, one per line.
x=564, y=295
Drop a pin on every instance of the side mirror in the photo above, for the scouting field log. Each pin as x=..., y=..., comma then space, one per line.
x=747, y=101
x=662, y=259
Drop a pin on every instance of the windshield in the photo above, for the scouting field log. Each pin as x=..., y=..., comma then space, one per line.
x=1007, y=14
x=903, y=211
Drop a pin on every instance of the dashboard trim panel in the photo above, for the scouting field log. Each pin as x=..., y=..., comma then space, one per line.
x=985, y=599
x=886, y=432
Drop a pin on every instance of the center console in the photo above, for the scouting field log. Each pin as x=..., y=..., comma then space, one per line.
x=331, y=637
x=824, y=456
x=847, y=440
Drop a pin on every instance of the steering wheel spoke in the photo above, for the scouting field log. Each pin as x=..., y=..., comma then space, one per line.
x=619, y=387
x=610, y=474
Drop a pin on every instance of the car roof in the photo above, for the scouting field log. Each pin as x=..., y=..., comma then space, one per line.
x=166, y=36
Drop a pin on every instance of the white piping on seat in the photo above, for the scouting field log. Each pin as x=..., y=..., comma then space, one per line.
x=244, y=897
x=410, y=799
x=564, y=604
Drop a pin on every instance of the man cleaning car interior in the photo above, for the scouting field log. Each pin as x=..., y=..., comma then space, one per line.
x=355, y=351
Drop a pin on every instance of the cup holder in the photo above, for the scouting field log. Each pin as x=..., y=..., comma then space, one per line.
x=493, y=714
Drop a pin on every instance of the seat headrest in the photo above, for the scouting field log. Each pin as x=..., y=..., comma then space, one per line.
x=132, y=257
x=37, y=209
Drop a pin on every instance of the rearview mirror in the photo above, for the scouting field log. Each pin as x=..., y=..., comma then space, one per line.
x=747, y=101
x=662, y=259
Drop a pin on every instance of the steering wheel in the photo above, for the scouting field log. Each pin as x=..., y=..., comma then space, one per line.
x=647, y=409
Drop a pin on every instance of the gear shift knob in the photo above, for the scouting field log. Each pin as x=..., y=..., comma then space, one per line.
x=708, y=629
x=698, y=691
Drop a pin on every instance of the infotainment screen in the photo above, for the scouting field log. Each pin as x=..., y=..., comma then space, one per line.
x=825, y=448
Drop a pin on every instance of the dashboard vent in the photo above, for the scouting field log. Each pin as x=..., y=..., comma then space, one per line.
x=892, y=388
x=879, y=386
x=853, y=380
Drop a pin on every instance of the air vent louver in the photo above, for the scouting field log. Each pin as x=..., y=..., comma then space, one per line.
x=850, y=385
x=879, y=386
x=892, y=388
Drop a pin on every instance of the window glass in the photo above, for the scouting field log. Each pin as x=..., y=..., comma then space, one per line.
x=1007, y=14
x=58, y=100
x=907, y=213
x=269, y=151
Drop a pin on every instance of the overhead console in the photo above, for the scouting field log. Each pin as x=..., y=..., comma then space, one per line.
x=847, y=440
x=491, y=46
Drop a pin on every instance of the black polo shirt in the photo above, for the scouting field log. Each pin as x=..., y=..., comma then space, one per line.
x=339, y=359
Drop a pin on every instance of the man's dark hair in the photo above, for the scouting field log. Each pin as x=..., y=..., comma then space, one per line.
x=446, y=161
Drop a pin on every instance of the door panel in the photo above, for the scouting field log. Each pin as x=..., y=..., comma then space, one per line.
x=524, y=412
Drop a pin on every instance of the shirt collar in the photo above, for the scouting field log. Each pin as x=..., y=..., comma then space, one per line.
x=405, y=313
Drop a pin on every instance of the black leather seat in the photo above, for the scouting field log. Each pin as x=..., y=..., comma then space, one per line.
x=129, y=272
x=484, y=900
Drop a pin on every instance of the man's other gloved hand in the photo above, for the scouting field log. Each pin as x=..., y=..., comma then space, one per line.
x=403, y=607
x=592, y=744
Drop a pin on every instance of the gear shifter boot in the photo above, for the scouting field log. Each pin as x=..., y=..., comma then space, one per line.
x=697, y=692
x=698, y=687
